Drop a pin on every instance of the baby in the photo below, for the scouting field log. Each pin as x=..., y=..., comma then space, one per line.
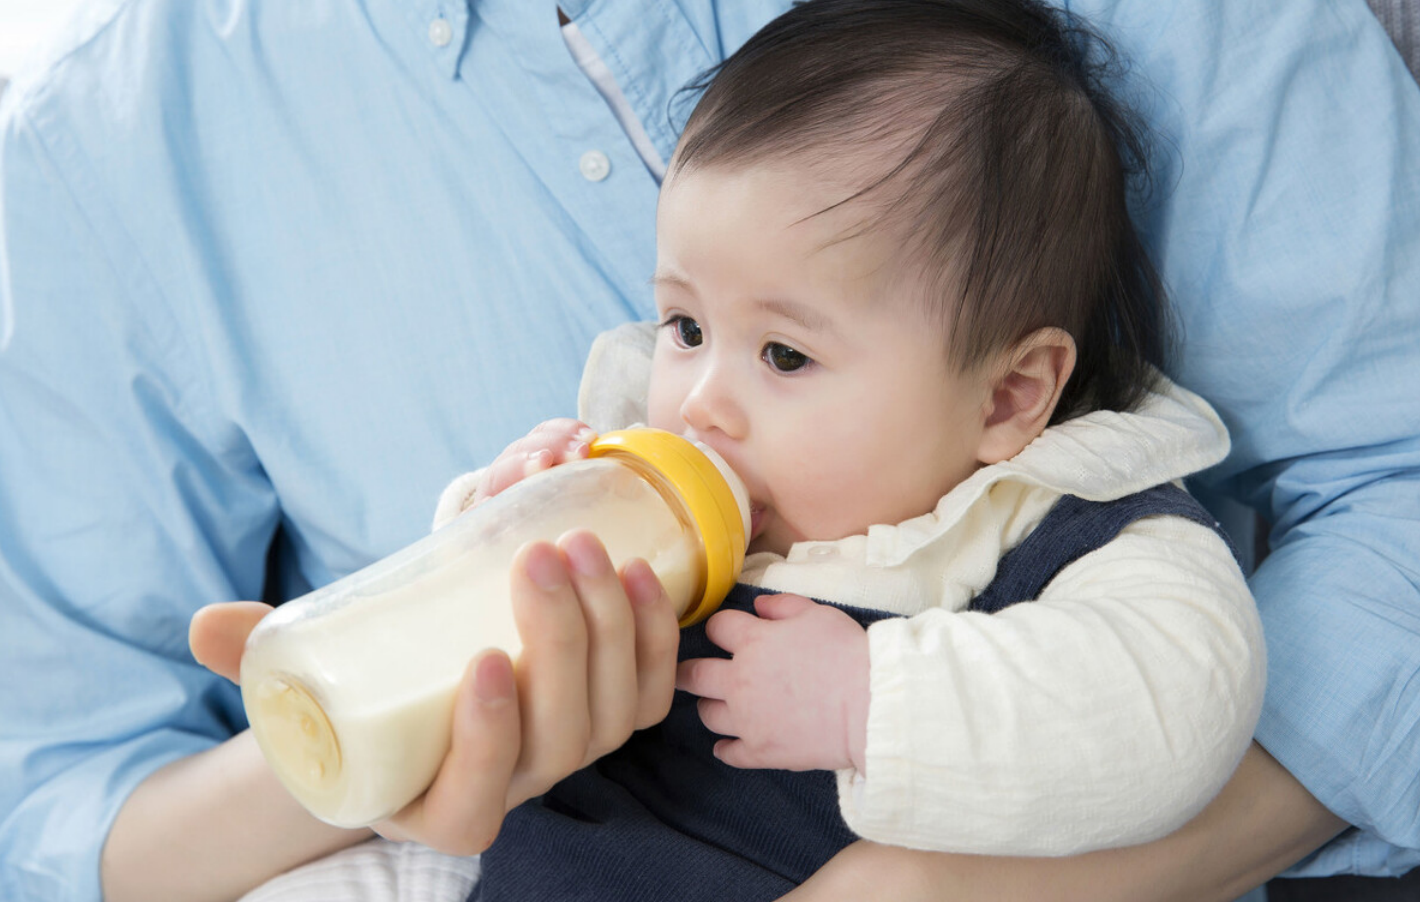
x=900, y=293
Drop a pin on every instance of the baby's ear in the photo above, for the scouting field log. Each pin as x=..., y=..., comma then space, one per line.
x=1025, y=391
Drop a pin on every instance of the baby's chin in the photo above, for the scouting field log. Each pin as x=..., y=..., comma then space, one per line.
x=775, y=536
x=770, y=540
x=762, y=546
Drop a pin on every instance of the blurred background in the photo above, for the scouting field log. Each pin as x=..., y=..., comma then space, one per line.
x=24, y=24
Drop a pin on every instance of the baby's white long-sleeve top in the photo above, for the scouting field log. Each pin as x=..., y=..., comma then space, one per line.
x=1105, y=713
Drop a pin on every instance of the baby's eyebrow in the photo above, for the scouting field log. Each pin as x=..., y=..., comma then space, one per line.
x=665, y=278
x=802, y=315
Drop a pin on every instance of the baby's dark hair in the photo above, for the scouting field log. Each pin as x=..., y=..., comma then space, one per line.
x=1013, y=166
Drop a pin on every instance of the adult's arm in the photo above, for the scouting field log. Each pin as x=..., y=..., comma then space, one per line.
x=1262, y=822
x=1289, y=236
x=598, y=662
x=125, y=502
x=209, y=827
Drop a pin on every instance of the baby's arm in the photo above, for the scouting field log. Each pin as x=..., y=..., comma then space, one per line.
x=1106, y=713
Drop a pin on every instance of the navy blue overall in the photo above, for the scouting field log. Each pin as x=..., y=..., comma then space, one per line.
x=662, y=819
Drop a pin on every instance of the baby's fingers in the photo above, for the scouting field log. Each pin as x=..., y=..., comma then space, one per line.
x=736, y=753
x=705, y=677
x=558, y=441
x=551, y=443
x=717, y=717
x=732, y=629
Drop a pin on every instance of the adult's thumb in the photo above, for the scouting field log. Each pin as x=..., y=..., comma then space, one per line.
x=218, y=633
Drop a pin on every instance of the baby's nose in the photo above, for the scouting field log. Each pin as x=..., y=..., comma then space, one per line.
x=711, y=407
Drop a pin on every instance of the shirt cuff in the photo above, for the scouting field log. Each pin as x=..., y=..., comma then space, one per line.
x=54, y=837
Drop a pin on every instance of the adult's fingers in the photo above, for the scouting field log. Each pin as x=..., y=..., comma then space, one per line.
x=611, y=642
x=657, y=642
x=551, y=671
x=218, y=634
x=462, y=810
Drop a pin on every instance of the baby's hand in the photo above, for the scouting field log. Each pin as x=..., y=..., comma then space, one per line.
x=549, y=444
x=795, y=694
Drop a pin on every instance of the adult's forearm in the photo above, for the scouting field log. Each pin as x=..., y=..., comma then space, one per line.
x=1262, y=822
x=210, y=827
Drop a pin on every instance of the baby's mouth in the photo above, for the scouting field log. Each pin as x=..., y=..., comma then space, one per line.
x=756, y=520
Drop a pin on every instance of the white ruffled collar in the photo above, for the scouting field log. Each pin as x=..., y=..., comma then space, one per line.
x=1099, y=456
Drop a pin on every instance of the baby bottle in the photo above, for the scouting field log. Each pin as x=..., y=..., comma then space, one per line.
x=350, y=689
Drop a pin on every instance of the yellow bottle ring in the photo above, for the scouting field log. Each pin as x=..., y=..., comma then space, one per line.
x=707, y=496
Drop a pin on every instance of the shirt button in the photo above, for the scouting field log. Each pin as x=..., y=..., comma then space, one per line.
x=440, y=32
x=594, y=165
x=822, y=551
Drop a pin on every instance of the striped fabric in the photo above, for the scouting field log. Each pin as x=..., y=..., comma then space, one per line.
x=1401, y=19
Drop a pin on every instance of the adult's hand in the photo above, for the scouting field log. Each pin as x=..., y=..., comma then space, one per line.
x=598, y=662
x=1262, y=822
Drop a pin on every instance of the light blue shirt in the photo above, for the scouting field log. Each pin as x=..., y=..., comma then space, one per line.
x=298, y=264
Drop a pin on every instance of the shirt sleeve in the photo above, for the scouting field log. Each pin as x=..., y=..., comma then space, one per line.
x=1342, y=613
x=124, y=506
x=1105, y=713
x=1289, y=238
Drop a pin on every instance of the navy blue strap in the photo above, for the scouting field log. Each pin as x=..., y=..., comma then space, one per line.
x=662, y=818
x=1073, y=528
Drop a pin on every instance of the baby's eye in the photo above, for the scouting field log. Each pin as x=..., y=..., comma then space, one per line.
x=685, y=330
x=783, y=358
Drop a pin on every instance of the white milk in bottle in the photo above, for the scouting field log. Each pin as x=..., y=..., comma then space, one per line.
x=350, y=689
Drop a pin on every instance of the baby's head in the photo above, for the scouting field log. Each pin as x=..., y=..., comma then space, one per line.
x=893, y=246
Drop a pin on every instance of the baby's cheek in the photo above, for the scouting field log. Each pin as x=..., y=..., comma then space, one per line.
x=663, y=407
x=657, y=417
